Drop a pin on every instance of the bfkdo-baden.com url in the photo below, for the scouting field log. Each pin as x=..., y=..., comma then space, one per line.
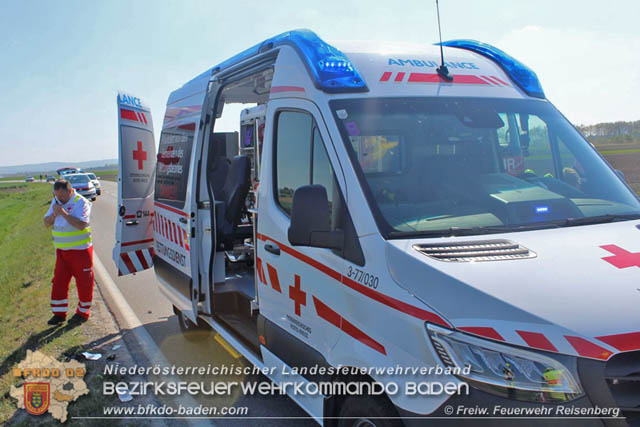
x=151, y=410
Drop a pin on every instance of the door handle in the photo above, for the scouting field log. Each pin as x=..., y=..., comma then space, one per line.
x=132, y=222
x=183, y=220
x=272, y=248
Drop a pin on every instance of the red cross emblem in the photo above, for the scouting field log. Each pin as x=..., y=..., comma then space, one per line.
x=621, y=258
x=140, y=155
x=298, y=296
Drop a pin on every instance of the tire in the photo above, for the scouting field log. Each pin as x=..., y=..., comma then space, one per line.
x=191, y=331
x=367, y=411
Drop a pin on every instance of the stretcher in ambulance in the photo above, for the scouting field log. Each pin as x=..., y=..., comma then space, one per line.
x=371, y=212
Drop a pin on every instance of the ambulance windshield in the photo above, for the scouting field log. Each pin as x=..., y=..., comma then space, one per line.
x=445, y=166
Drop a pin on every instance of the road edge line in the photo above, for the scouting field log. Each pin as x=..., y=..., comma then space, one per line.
x=133, y=323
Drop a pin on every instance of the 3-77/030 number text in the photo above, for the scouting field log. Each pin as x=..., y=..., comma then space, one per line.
x=363, y=277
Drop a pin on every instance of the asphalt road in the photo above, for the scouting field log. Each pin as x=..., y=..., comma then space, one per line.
x=156, y=314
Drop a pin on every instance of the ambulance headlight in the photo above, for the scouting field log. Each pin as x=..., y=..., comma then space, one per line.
x=507, y=371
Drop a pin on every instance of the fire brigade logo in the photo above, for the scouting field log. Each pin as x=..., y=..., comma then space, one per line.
x=50, y=386
x=36, y=398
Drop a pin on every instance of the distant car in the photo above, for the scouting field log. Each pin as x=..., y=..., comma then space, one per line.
x=29, y=179
x=96, y=183
x=51, y=178
x=82, y=184
x=67, y=170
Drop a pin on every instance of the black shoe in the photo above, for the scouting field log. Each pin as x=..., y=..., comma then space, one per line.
x=77, y=320
x=55, y=320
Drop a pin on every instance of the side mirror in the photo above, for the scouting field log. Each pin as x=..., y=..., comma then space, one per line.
x=310, y=219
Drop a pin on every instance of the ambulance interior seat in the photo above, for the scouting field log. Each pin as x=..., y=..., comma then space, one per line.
x=217, y=175
x=233, y=195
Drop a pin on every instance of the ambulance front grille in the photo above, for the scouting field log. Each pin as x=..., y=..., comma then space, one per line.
x=481, y=250
x=622, y=373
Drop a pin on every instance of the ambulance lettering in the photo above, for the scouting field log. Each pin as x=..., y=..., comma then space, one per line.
x=432, y=64
x=299, y=327
x=130, y=100
x=170, y=254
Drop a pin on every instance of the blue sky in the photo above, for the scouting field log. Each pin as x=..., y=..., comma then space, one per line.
x=63, y=62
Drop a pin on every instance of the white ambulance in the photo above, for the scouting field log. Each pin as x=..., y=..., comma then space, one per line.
x=372, y=213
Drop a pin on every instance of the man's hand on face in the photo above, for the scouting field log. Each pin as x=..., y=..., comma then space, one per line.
x=59, y=210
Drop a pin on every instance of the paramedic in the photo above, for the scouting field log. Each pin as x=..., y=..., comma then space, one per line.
x=69, y=215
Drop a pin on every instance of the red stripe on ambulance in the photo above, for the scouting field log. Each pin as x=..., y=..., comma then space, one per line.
x=273, y=278
x=323, y=311
x=127, y=262
x=386, y=76
x=483, y=332
x=134, y=261
x=500, y=81
x=136, y=242
x=537, y=340
x=186, y=239
x=261, y=275
x=142, y=260
x=128, y=114
x=436, y=78
x=587, y=348
x=171, y=209
x=623, y=342
x=375, y=295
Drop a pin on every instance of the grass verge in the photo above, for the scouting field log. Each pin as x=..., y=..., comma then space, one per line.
x=107, y=175
x=27, y=259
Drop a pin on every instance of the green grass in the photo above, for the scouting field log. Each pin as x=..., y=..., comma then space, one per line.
x=623, y=151
x=27, y=259
x=107, y=174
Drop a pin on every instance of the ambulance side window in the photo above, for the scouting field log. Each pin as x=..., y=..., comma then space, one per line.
x=540, y=160
x=172, y=172
x=322, y=172
x=293, y=155
x=503, y=139
x=300, y=158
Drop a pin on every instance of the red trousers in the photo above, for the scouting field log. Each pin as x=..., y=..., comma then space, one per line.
x=79, y=264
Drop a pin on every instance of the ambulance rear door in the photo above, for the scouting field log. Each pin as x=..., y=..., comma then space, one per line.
x=134, y=248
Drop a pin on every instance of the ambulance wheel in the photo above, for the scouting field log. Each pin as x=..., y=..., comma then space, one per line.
x=191, y=331
x=368, y=411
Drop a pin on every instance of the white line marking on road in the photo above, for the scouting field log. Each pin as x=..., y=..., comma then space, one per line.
x=131, y=321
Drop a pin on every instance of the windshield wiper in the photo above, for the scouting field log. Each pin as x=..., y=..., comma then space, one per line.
x=470, y=231
x=600, y=219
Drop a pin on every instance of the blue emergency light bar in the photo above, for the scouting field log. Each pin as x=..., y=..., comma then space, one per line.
x=329, y=68
x=522, y=75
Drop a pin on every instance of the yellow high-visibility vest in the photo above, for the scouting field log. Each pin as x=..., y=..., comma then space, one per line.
x=69, y=237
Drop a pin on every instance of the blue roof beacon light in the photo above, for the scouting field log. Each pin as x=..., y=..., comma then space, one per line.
x=522, y=75
x=330, y=69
